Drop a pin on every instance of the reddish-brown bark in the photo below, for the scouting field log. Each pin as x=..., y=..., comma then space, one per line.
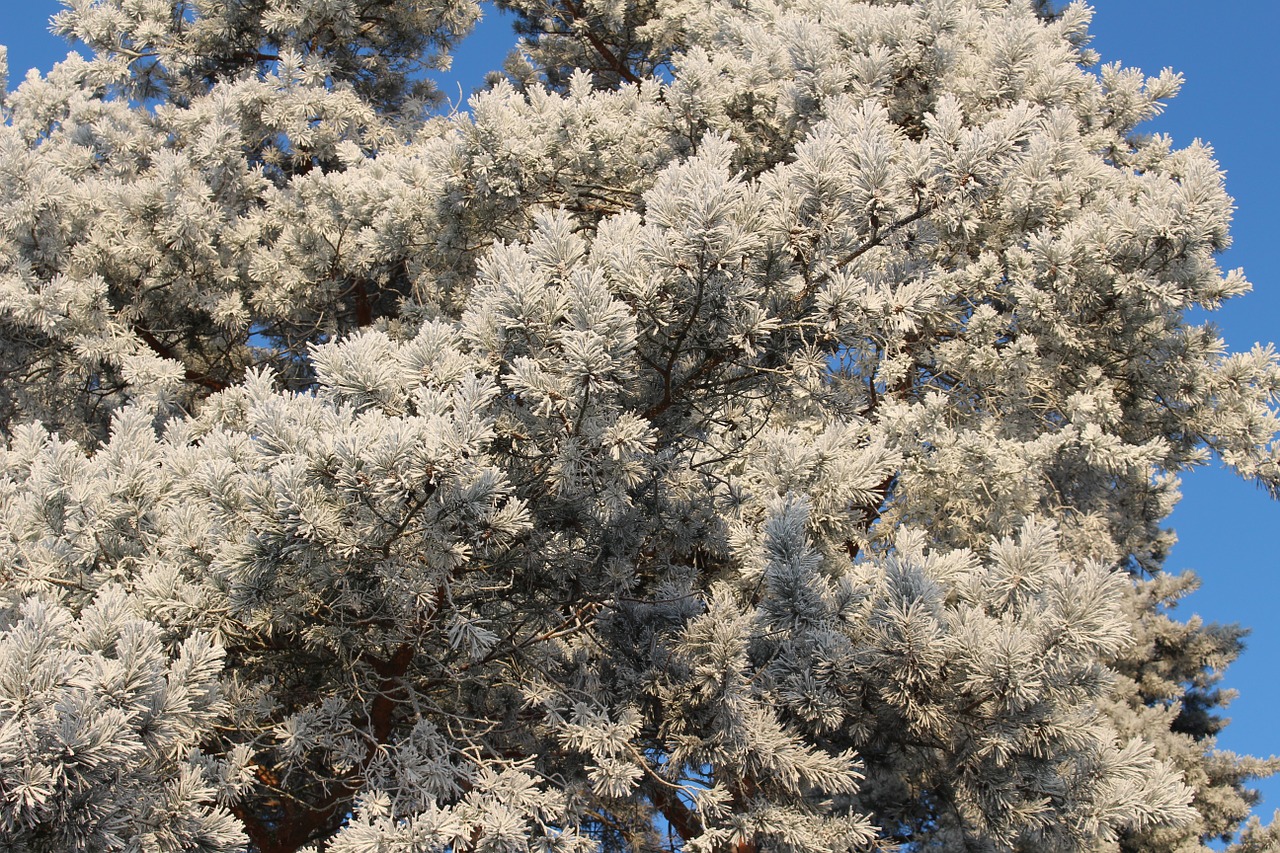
x=293, y=824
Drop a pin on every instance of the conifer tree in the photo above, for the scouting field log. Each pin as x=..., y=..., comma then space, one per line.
x=748, y=427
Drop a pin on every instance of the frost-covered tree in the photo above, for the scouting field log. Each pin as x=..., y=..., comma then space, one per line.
x=748, y=427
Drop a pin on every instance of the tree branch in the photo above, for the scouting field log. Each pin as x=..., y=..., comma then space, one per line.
x=610, y=58
x=165, y=351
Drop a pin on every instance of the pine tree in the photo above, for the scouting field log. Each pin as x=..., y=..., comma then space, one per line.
x=746, y=427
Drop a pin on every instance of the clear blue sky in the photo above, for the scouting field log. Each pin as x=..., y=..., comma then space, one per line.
x=1228, y=53
x=1226, y=528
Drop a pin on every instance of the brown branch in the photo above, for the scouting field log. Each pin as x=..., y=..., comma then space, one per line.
x=876, y=239
x=682, y=818
x=873, y=511
x=302, y=823
x=165, y=351
x=390, y=690
x=877, y=236
x=744, y=791
x=671, y=397
x=610, y=58
x=364, y=310
x=614, y=63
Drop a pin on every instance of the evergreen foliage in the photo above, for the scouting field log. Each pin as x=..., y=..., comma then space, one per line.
x=749, y=427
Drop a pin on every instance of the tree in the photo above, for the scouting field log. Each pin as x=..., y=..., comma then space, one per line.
x=749, y=427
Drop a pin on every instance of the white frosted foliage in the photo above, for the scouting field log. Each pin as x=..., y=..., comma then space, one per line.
x=746, y=427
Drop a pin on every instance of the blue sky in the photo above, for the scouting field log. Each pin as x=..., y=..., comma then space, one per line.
x=1226, y=528
x=1228, y=53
